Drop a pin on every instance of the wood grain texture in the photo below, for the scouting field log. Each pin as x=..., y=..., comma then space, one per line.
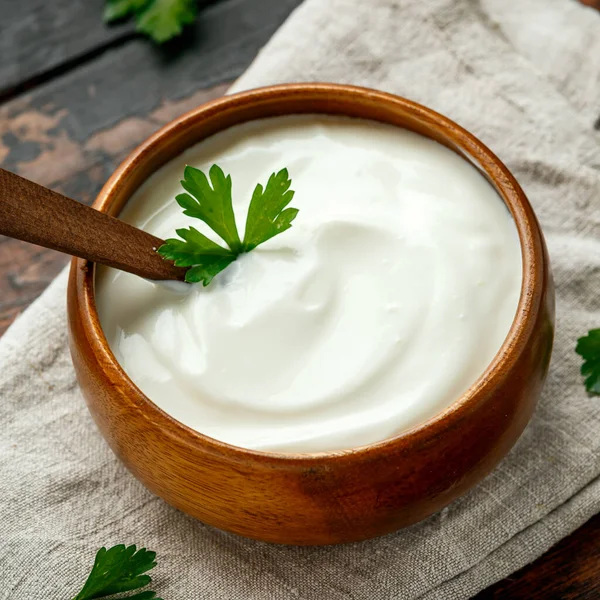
x=39, y=215
x=25, y=271
x=40, y=40
x=37, y=36
x=324, y=498
x=569, y=571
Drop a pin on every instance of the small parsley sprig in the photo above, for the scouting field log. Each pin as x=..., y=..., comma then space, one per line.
x=211, y=202
x=588, y=347
x=160, y=20
x=119, y=569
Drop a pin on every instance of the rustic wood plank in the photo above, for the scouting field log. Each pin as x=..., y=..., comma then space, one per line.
x=569, y=571
x=25, y=272
x=37, y=36
x=40, y=40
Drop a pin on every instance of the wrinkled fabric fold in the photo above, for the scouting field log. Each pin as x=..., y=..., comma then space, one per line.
x=524, y=76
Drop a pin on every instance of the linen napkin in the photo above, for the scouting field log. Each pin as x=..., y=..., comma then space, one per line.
x=524, y=76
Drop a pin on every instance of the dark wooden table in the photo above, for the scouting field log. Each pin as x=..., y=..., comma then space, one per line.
x=76, y=97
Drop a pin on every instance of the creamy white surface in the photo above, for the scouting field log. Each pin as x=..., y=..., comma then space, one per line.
x=387, y=299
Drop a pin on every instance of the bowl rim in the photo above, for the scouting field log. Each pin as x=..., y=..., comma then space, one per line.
x=521, y=330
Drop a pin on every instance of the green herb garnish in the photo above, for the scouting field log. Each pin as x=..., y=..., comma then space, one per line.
x=210, y=201
x=119, y=569
x=589, y=348
x=160, y=20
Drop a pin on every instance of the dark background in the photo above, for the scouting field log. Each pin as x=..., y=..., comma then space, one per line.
x=76, y=96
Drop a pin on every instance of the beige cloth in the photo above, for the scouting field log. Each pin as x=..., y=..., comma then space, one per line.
x=523, y=75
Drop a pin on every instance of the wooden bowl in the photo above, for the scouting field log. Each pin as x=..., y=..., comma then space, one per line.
x=321, y=498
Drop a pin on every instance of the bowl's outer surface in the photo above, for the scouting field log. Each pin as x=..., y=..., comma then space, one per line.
x=319, y=498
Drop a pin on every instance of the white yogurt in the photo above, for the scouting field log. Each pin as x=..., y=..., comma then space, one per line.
x=385, y=301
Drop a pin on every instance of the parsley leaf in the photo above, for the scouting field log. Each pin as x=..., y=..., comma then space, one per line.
x=185, y=253
x=266, y=215
x=119, y=9
x=211, y=202
x=195, y=250
x=161, y=20
x=119, y=569
x=212, y=205
x=164, y=19
x=589, y=348
x=208, y=269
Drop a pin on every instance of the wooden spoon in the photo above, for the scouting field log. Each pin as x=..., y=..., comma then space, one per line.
x=33, y=213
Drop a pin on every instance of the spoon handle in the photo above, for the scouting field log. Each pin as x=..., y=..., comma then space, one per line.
x=33, y=213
